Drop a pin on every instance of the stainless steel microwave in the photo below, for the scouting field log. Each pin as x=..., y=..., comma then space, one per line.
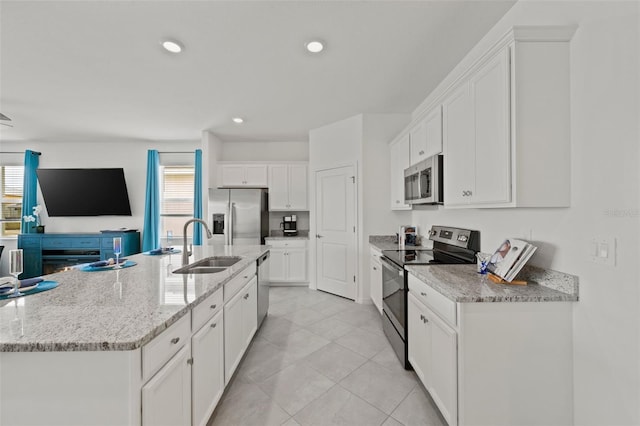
x=423, y=182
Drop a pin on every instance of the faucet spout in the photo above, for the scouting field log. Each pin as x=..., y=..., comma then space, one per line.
x=187, y=252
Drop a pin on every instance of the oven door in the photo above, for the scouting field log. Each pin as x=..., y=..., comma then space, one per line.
x=394, y=294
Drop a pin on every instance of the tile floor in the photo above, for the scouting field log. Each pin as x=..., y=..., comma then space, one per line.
x=322, y=360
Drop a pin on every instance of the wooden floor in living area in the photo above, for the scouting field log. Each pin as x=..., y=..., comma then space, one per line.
x=319, y=359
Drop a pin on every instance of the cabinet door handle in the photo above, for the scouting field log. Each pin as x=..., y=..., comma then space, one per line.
x=422, y=317
x=421, y=153
x=423, y=294
x=397, y=201
x=319, y=236
x=190, y=361
x=246, y=296
x=375, y=269
x=426, y=321
x=175, y=340
x=214, y=325
x=213, y=306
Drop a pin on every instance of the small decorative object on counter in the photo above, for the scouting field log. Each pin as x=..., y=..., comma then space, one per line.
x=483, y=262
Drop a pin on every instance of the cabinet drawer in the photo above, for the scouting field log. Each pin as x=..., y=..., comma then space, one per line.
x=83, y=242
x=158, y=351
x=234, y=286
x=206, y=309
x=444, y=307
x=286, y=243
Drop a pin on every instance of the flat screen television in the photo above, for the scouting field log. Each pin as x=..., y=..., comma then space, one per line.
x=84, y=192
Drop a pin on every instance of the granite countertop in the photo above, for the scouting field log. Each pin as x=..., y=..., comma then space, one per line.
x=279, y=235
x=115, y=309
x=461, y=283
x=389, y=242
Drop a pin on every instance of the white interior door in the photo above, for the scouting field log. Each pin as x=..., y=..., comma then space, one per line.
x=335, y=231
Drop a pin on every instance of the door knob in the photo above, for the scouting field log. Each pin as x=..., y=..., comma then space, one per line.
x=319, y=236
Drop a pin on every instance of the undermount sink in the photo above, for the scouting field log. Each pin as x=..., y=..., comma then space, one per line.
x=209, y=265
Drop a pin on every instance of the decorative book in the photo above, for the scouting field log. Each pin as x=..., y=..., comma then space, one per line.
x=510, y=257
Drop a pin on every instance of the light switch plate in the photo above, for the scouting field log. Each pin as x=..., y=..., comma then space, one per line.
x=602, y=250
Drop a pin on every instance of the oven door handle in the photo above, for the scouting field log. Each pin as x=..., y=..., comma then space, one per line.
x=392, y=266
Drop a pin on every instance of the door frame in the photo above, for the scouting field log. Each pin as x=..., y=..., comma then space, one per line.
x=313, y=217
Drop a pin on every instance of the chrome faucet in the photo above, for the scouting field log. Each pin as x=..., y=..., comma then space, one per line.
x=186, y=253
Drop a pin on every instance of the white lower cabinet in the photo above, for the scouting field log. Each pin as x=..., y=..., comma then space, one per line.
x=433, y=355
x=288, y=261
x=240, y=324
x=207, y=347
x=166, y=398
x=375, y=279
x=500, y=363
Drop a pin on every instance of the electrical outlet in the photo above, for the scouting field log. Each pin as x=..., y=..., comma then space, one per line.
x=602, y=250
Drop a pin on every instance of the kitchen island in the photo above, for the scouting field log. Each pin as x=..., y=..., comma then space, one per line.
x=85, y=352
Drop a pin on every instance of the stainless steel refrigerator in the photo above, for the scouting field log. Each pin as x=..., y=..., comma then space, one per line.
x=240, y=216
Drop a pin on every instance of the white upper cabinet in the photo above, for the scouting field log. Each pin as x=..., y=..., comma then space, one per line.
x=476, y=128
x=288, y=187
x=399, y=152
x=506, y=123
x=242, y=175
x=426, y=136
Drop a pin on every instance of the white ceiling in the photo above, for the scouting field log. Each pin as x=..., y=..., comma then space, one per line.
x=85, y=71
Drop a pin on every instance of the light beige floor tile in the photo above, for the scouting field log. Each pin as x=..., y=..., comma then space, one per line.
x=335, y=361
x=274, y=328
x=378, y=386
x=359, y=316
x=262, y=361
x=291, y=422
x=363, y=342
x=251, y=406
x=301, y=343
x=340, y=407
x=295, y=386
x=387, y=358
x=330, y=328
x=333, y=306
x=393, y=422
x=418, y=409
x=305, y=316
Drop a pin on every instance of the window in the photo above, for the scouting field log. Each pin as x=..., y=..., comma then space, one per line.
x=176, y=203
x=11, y=178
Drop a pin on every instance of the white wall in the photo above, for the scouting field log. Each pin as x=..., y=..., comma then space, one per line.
x=128, y=154
x=605, y=202
x=361, y=141
x=265, y=151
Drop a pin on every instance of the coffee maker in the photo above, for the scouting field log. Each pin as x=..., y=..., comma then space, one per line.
x=290, y=225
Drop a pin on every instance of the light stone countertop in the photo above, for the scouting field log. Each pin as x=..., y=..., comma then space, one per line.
x=115, y=309
x=461, y=283
x=279, y=235
x=389, y=242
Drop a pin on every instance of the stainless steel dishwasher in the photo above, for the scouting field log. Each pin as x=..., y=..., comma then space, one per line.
x=263, y=287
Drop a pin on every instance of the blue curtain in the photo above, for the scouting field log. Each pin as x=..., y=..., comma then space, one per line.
x=151, y=231
x=29, y=188
x=197, y=199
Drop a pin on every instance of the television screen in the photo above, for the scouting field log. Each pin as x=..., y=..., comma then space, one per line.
x=84, y=192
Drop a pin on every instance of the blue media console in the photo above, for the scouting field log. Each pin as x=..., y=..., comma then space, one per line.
x=48, y=253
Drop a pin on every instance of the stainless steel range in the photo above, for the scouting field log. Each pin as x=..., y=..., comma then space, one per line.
x=450, y=246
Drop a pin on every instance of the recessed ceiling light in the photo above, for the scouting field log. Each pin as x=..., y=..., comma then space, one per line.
x=237, y=120
x=315, y=46
x=172, y=46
